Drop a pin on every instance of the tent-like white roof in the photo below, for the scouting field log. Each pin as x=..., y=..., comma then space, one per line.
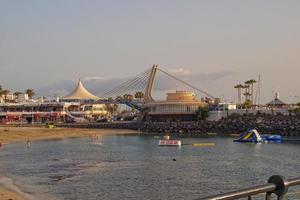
x=80, y=93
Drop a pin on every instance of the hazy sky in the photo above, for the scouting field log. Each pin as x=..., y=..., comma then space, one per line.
x=44, y=43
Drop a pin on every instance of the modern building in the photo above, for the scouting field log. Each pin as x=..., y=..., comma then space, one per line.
x=79, y=105
x=181, y=105
x=28, y=112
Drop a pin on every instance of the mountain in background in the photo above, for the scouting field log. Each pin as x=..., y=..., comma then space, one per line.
x=163, y=83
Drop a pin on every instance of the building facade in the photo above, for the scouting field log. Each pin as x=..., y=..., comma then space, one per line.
x=178, y=106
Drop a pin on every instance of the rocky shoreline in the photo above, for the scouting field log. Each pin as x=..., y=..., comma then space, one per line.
x=267, y=124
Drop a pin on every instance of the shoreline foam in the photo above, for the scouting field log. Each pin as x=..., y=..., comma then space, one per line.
x=9, y=190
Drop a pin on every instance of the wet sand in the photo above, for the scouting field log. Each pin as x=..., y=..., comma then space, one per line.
x=9, y=191
x=22, y=134
x=6, y=194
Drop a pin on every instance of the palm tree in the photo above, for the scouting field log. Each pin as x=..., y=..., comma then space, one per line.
x=247, y=96
x=1, y=91
x=139, y=95
x=30, y=93
x=128, y=97
x=17, y=93
x=5, y=93
x=119, y=98
x=202, y=113
x=247, y=104
x=251, y=83
x=239, y=89
x=246, y=93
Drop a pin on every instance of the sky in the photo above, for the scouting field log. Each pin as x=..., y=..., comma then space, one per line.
x=214, y=44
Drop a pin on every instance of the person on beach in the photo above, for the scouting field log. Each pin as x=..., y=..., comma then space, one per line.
x=28, y=143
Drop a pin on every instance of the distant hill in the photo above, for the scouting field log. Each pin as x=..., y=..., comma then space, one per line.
x=98, y=85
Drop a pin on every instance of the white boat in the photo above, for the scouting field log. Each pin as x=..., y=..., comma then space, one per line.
x=169, y=143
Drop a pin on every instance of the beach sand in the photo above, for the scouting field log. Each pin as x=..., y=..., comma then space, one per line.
x=19, y=134
x=22, y=134
x=9, y=191
x=6, y=194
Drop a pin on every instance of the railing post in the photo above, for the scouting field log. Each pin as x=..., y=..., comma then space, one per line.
x=281, y=187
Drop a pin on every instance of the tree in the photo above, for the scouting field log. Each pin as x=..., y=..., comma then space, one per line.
x=30, y=93
x=128, y=97
x=5, y=93
x=17, y=93
x=239, y=88
x=1, y=91
x=246, y=93
x=247, y=104
x=247, y=87
x=119, y=98
x=202, y=113
x=296, y=111
x=111, y=108
x=251, y=83
x=139, y=95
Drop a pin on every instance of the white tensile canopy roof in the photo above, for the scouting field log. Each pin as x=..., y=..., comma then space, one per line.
x=80, y=93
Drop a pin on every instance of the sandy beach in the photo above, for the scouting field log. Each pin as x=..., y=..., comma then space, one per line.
x=19, y=134
x=6, y=194
x=22, y=134
x=9, y=191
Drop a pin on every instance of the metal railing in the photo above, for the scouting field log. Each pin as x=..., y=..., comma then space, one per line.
x=276, y=185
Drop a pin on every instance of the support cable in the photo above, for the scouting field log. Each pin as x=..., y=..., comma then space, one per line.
x=184, y=82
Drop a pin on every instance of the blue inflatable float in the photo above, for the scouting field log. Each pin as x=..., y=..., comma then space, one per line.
x=253, y=136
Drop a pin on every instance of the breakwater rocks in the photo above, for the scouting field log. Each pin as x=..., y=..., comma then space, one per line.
x=269, y=124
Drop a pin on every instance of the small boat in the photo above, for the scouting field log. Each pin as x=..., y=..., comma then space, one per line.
x=169, y=143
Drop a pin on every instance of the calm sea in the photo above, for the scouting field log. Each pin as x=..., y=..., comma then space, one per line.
x=133, y=167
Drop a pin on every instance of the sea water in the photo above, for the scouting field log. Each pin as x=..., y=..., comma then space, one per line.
x=135, y=167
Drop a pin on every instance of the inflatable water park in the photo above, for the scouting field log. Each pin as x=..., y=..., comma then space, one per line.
x=253, y=136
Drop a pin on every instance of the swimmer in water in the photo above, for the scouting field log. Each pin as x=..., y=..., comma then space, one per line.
x=28, y=143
